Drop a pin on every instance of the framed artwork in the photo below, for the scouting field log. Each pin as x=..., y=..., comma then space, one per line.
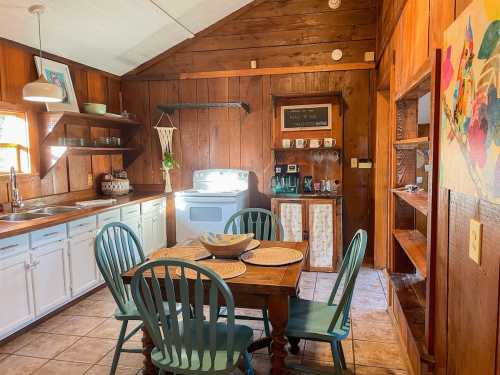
x=59, y=75
x=470, y=103
x=306, y=117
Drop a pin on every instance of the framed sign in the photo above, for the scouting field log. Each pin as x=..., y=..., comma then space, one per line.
x=306, y=117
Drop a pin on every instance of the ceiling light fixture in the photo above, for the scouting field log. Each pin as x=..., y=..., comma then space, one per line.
x=41, y=90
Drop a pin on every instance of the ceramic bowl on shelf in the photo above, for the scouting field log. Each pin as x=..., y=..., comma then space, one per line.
x=226, y=245
x=94, y=108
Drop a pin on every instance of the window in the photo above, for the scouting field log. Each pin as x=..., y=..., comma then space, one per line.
x=14, y=142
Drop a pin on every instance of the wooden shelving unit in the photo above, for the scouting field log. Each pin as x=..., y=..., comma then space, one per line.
x=411, y=142
x=55, y=125
x=418, y=200
x=171, y=108
x=414, y=244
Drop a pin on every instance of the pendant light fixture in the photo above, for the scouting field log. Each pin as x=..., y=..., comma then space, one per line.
x=41, y=90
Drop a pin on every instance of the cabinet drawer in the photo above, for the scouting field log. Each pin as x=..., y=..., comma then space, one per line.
x=129, y=212
x=14, y=245
x=153, y=206
x=48, y=235
x=84, y=225
x=108, y=217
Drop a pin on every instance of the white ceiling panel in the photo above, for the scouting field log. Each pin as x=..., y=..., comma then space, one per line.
x=113, y=35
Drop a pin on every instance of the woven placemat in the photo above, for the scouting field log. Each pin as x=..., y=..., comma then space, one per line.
x=182, y=252
x=253, y=245
x=225, y=268
x=272, y=256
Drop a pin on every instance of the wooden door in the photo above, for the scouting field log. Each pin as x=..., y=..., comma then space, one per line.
x=82, y=265
x=50, y=277
x=293, y=216
x=16, y=292
x=323, y=241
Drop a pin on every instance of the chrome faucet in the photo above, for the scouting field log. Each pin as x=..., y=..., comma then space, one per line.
x=15, y=196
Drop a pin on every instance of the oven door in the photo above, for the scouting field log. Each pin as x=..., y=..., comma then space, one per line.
x=195, y=215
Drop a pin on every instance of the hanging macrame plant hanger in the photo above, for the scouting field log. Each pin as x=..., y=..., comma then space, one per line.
x=165, y=134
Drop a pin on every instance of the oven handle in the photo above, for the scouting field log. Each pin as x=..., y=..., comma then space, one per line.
x=208, y=201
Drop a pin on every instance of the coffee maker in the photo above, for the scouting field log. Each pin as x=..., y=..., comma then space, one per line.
x=286, y=179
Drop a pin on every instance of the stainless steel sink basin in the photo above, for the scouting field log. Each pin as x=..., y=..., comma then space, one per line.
x=23, y=216
x=53, y=210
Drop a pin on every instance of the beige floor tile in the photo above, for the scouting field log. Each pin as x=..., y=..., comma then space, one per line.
x=19, y=365
x=49, y=325
x=379, y=354
x=374, y=331
x=101, y=309
x=371, y=315
x=321, y=351
x=104, y=370
x=77, y=325
x=365, y=370
x=17, y=343
x=101, y=295
x=47, y=345
x=3, y=356
x=87, y=350
x=110, y=329
x=133, y=360
x=54, y=367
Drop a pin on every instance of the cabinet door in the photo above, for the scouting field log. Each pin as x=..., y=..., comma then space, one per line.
x=50, y=274
x=292, y=214
x=82, y=265
x=148, y=236
x=322, y=255
x=160, y=230
x=17, y=294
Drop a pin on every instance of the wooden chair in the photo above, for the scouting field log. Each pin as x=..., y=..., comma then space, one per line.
x=266, y=226
x=263, y=223
x=329, y=321
x=117, y=249
x=192, y=344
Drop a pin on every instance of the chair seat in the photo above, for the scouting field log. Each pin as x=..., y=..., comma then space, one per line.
x=311, y=319
x=131, y=312
x=243, y=337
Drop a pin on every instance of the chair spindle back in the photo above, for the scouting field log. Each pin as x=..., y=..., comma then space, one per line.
x=263, y=223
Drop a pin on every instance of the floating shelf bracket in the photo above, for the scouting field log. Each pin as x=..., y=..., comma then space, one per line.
x=171, y=108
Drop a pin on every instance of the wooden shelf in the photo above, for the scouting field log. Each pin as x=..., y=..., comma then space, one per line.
x=414, y=245
x=51, y=121
x=411, y=142
x=171, y=108
x=281, y=149
x=417, y=200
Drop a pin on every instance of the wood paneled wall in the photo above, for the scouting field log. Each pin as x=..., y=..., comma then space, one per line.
x=77, y=172
x=466, y=318
x=277, y=34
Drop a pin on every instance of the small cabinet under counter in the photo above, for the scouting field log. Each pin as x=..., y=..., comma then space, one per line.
x=317, y=219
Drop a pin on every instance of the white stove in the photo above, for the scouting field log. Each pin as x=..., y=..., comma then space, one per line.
x=216, y=195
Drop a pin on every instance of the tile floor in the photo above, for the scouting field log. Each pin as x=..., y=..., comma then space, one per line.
x=80, y=339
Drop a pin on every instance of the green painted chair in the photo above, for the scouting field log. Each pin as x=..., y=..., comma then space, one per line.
x=118, y=249
x=266, y=226
x=190, y=343
x=329, y=321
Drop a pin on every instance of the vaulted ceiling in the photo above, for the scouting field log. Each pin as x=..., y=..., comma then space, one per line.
x=112, y=35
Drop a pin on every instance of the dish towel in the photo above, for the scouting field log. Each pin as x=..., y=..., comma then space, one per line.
x=96, y=202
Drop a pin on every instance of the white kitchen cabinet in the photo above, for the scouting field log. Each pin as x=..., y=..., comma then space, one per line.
x=16, y=293
x=154, y=225
x=147, y=234
x=50, y=274
x=84, y=274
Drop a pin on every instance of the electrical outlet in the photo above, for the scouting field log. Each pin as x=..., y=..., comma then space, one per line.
x=475, y=240
x=420, y=180
x=354, y=162
x=90, y=179
x=370, y=56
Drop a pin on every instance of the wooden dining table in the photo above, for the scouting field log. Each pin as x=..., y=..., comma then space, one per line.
x=259, y=286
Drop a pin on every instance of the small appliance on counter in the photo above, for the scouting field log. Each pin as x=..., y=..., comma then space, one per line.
x=308, y=185
x=286, y=179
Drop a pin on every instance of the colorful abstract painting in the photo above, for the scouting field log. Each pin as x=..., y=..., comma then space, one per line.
x=470, y=103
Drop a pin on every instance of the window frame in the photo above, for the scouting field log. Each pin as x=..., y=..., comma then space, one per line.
x=23, y=115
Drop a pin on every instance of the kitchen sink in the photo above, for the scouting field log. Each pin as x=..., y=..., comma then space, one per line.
x=53, y=210
x=23, y=216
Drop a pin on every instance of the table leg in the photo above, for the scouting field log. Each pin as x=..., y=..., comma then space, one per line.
x=278, y=315
x=147, y=346
x=294, y=345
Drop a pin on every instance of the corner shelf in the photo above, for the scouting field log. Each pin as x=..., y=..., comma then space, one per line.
x=414, y=245
x=54, y=124
x=417, y=200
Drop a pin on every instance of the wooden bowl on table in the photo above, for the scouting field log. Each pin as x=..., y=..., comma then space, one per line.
x=226, y=245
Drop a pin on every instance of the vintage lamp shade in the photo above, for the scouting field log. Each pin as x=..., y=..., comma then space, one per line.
x=42, y=91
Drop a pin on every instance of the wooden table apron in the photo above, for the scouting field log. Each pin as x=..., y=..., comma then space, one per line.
x=257, y=287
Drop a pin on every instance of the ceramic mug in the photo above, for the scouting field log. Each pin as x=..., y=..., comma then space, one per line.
x=286, y=143
x=314, y=143
x=300, y=143
x=329, y=142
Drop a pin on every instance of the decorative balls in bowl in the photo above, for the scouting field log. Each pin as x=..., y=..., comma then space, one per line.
x=226, y=245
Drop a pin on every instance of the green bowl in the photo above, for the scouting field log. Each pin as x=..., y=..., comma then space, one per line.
x=94, y=108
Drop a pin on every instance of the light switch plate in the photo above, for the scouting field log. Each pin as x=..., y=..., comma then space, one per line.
x=90, y=179
x=475, y=240
x=354, y=162
x=370, y=56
